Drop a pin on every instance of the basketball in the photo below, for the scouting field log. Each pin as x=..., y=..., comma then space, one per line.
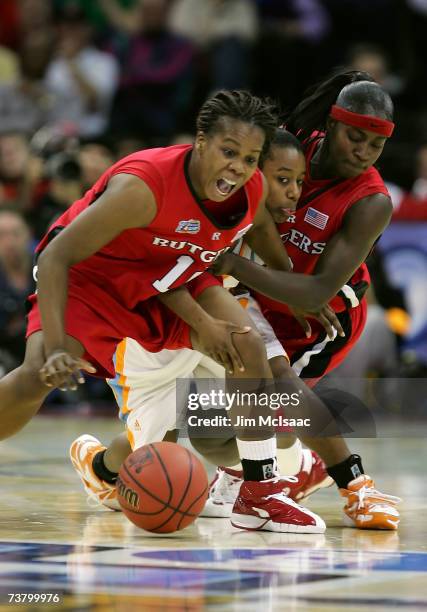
x=162, y=487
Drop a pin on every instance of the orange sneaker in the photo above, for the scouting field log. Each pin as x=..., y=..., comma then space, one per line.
x=82, y=452
x=367, y=508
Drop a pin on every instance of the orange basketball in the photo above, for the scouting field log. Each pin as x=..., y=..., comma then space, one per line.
x=162, y=487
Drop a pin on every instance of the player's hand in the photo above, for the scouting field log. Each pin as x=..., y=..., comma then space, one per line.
x=62, y=370
x=326, y=317
x=216, y=341
x=224, y=264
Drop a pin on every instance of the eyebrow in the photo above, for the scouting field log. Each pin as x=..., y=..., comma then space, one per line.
x=237, y=143
x=362, y=133
x=287, y=169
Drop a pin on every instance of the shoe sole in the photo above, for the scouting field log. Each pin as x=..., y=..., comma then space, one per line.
x=216, y=510
x=378, y=524
x=255, y=523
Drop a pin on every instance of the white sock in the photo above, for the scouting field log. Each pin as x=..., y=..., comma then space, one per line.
x=289, y=460
x=260, y=456
x=257, y=449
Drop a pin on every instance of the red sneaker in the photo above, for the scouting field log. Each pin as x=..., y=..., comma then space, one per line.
x=263, y=506
x=311, y=477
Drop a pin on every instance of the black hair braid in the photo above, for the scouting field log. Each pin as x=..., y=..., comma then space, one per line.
x=312, y=112
x=240, y=105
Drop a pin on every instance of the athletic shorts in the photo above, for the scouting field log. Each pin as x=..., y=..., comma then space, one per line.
x=145, y=387
x=272, y=344
x=314, y=357
x=145, y=383
x=100, y=323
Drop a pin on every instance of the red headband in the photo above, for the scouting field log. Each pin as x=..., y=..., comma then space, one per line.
x=365, y=122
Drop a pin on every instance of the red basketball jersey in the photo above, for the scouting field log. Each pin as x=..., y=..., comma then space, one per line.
x=318, y=217
x=181, y=242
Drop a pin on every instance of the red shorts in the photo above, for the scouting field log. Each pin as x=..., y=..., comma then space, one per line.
x=312, y=358
x=99, y=323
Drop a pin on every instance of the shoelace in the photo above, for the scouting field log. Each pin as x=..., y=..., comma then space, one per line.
x=283, y=498
x=367, y=491
x=280, y=495
x=278, y=477
x=93, y=500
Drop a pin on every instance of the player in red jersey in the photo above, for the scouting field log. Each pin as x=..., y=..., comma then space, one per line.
x=152, y=223
x=343, y=209
x=147, y=404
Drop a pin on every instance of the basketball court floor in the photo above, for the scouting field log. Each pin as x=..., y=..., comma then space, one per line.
x=80, y=557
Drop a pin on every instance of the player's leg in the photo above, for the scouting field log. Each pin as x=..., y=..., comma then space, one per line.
x=120, y=448
x=291, y=458
x=366, y=507
x=312, y=474
x=21, y=391
x=305, y=466
x=261, y=502
x=290, y=452
x=220, y=304
x=145, y=391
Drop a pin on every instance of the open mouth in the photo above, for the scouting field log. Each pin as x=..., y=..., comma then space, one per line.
x=283, y=213
x=288, y=212
x=224, y=186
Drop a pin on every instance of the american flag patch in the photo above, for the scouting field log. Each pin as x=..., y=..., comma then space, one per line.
x=316, y=218
x=191, y=226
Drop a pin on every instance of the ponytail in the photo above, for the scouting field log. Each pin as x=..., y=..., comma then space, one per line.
x=312, y=112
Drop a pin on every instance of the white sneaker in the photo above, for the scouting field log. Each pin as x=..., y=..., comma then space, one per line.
x=82, y=452
x=223, y=491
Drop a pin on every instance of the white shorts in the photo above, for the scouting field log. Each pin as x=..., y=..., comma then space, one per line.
x=145, y=387
x=272, y=344
x=145, y=383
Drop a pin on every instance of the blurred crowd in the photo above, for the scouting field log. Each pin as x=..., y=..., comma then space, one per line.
x=85, y=82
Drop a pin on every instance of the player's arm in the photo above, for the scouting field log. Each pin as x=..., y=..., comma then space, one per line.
x=344, y=253
x=126, y=203
x=264, y=239
x=214, y=336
